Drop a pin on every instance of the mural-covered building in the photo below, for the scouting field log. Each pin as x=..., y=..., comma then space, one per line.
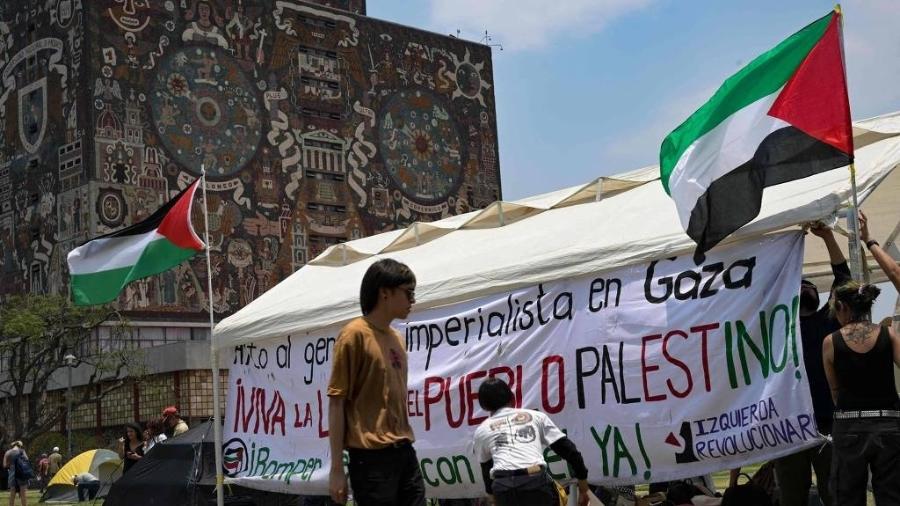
x=315, y=124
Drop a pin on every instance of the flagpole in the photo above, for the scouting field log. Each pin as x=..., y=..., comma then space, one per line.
x=214, y=354
x=856, y=251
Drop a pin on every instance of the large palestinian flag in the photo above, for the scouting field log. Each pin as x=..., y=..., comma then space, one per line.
x=785, y=116
x=100, y=268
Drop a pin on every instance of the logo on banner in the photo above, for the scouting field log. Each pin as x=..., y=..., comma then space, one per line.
x=235, y=457
x=33, y=114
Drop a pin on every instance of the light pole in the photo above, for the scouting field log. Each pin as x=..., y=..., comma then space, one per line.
x=70, y=361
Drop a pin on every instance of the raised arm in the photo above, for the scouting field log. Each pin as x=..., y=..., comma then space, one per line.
x=888, y=265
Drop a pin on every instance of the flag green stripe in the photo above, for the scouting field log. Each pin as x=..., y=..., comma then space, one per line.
x=761, y=77
x=104, y=286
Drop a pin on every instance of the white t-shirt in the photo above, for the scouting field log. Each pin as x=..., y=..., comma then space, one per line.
x=515, y=438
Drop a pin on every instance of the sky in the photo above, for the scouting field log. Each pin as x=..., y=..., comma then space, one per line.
x=586, y=88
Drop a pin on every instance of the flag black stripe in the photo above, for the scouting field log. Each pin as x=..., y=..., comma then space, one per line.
x=734, y=199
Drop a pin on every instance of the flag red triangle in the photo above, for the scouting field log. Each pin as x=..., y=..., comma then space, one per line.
x=177, y=226
x=814, y=100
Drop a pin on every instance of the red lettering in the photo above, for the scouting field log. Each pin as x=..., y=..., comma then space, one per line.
x=429, y=399
x=704, y=355
x=448, y=402
x=677, y=363
x=561, y=384
x=323, y=432
x=518, y=389
x=472, y=395
x=410, y=402
x=645, y=369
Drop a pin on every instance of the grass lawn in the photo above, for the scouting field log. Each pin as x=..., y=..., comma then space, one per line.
x=33, y=497
x=721, y=479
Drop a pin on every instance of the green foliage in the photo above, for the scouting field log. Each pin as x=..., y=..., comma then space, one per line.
x=36, y=334
x=44, y=443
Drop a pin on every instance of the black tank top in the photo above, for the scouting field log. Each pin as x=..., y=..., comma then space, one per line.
x=866, y=379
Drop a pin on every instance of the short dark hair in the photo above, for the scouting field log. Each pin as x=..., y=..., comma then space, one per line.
x=494, y=394
x=385, y=273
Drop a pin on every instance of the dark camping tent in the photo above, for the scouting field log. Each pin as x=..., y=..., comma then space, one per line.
x=182, y=471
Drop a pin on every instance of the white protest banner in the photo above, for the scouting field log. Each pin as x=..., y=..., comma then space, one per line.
x=656, y=371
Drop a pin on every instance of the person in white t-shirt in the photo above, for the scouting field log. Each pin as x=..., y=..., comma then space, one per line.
x=510, y=446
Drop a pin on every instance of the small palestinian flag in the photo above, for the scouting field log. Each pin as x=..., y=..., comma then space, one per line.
x=100, y=268
x=785, y=116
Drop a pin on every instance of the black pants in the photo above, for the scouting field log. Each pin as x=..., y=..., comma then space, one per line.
x=528, y=490
x=89, y=488
x=860, y=446
x=387, y=477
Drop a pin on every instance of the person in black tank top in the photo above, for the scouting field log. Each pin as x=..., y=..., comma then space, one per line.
x=859, y=363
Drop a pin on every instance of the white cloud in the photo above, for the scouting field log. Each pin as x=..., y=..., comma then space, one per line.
x=528, y=24
x=640, y=145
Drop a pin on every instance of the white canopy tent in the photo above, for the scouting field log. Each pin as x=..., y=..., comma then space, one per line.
x=605, y=224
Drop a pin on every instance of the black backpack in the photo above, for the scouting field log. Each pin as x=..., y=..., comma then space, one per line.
x=748, y=494
x=24, y=470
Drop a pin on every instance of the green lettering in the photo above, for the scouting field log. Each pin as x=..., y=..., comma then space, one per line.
x=260, y=462
x=601, y=442
x=795, y=309
x=440, y=469
x=729, y=357
x=621, y=451
x=426, y=476
x=776, y=368
x=760, y=352
x=461, y=458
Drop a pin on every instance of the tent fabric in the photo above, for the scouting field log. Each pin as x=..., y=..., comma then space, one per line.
x=167, y=474
x=882, y=207
x=182, y=471
x=605, y=224
x=104, y=464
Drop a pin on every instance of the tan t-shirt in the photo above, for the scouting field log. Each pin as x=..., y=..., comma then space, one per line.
x=369, y=371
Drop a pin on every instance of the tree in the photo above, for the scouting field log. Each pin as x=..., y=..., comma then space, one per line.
x=36, y=332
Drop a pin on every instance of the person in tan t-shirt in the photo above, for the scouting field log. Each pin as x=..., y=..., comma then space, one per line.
x=367, y=397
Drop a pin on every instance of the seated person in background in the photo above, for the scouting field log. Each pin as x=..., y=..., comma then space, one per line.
x=510, y=446
x=86, y=484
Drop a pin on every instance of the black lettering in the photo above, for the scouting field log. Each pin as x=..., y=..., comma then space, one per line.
x=692, y=291
x=451, y=325
x=581, y=372
x=665, y=282
x=527, y=312
x=566, y=312
x=746, y=279
x=715, y=269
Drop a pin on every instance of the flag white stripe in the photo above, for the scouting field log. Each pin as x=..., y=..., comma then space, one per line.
x=726, y=147
x=109, y=253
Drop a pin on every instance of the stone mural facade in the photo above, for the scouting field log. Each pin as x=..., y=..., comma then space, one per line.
x=315, y=124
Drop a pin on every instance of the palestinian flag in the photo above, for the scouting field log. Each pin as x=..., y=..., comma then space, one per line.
x=785, y=116
x=100, y=268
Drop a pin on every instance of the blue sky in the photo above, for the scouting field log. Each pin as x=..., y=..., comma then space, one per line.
x=590, y=87
x=586, y=88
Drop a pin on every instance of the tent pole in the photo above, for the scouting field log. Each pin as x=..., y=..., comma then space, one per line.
x=214, y=355
x=853, y=223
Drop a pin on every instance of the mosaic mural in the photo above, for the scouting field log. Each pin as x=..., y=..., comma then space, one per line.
x=315, y=124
